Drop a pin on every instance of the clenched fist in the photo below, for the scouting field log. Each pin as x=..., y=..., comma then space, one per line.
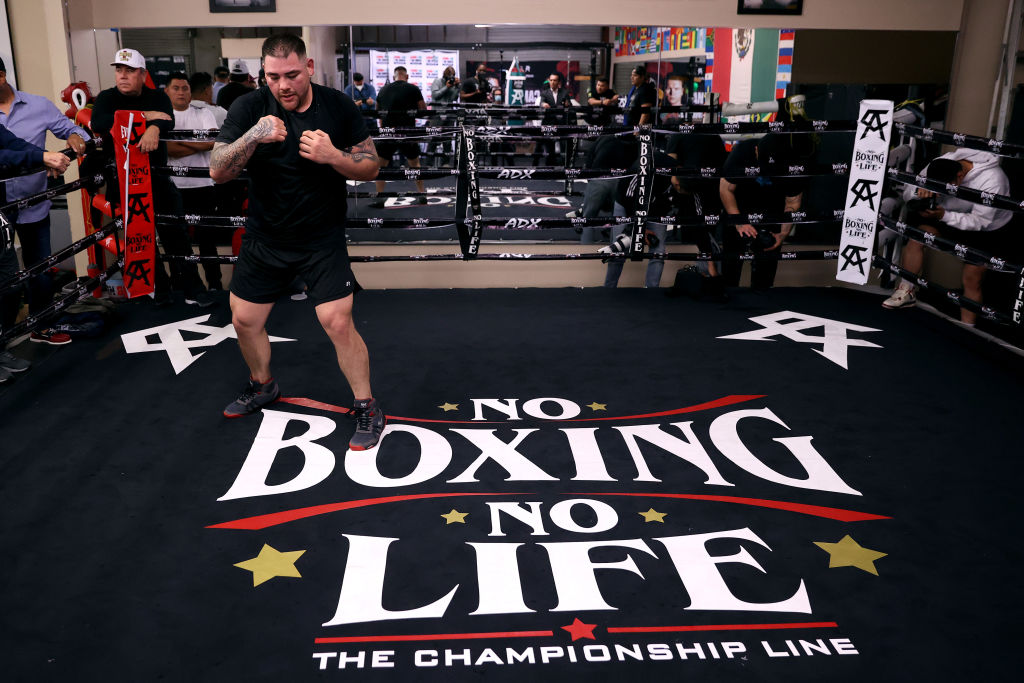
x=316, y=145
x=268, y=129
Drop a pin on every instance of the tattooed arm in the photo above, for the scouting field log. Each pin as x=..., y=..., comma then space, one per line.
x=228, y=160
x=358, y=162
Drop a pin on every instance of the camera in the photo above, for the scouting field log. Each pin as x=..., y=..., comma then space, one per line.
x=919, y=204
x=620, y=245
x=763, y=240
x=450, y=82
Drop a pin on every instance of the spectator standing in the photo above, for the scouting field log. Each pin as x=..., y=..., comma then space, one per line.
x=238, y=85
x=445, y=88
x=201, y=85
x=197, y=194
x=221, y=75
x=363, y=94
x=397, y=98
x=641, y=97
x=29, y=117
x=131, y=93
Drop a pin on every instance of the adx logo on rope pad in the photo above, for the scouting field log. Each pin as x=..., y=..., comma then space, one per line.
x=834, y=341
x=557, y=534
x=177, y=347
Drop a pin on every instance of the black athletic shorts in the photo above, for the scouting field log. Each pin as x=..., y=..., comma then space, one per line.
x=386, y=150
x=263, y=273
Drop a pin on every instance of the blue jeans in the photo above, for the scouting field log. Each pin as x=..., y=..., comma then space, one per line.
x=652, y=278
x=598, y=197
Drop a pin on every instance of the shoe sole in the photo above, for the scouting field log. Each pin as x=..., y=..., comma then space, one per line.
x=232, y=416
x=894, y=308
x=366, y=448
x=51, y=343
x=12, y=370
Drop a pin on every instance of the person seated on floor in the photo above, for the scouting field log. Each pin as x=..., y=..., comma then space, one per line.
x=964, y=222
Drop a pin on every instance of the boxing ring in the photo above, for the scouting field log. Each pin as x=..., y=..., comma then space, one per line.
x=794, y=484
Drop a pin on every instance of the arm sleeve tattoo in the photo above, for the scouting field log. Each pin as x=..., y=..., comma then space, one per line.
x=362, y=151
x=230, y=159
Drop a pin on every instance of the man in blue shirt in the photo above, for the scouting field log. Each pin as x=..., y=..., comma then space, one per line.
x=16, y=155
x=363, y=94
x=29, y=117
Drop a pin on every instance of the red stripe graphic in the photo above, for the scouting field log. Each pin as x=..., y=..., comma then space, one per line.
x=265, y=521
x=435, y=636
x=709, y=405
x=719, y=627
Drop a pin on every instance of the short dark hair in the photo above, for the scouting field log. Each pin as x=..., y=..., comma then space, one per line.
x=555, y=73
x=944, y=170
x=357, y=76
x=402, y=69
x=178, y=76
x=221, y=71
x=602, y=79
x=640, y=70
x=283, y=44
x=200, y=81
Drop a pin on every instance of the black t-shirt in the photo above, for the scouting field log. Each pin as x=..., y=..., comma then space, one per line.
x=401, y=96
x=611, y=151
x=231, y=92
x=111, y=100
x=601, y=116
x=694, y=152
x=295, y=202
x=759, y=192
x=643, y=94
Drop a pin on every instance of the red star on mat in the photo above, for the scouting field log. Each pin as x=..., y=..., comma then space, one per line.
x=580, y=630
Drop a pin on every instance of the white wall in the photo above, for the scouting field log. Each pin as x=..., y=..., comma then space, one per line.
x=869, y=14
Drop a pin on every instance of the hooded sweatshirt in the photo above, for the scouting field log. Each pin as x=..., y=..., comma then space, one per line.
x=986, y=176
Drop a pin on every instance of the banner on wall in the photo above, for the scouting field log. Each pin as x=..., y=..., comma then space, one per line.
x=644, y=40
x=748, y=65
x=424, y=67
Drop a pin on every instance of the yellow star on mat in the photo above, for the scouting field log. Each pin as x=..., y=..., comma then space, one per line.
x=598, y=406
x=455, y=517
x=447, y=407
x=270, y=563
x=849, y=553
x=653, y=515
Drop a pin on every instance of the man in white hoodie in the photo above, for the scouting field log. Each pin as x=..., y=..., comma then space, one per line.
x=967, y=223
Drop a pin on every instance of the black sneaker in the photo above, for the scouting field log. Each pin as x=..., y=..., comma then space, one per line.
x=202, y=299
x=11, y=363
x=376, y=204
x=253, y=398
x=370, y=421
x=163, y=299
x=421, y=200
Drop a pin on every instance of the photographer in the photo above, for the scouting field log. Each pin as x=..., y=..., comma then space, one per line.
x=974, y=225
x=741, y=193
x=445, y=88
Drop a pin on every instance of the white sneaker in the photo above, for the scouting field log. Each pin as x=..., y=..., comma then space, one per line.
x=901, y=298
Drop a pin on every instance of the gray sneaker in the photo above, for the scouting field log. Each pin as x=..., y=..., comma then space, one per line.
x=11, y=363
x=370, y=421
x=253, y=398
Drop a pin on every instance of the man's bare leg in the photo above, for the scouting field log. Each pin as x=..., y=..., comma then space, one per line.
x=972, y=277
x=353, y=357
x=250, y=321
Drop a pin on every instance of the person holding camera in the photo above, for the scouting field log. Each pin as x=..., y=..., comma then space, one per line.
x=445, y=88
x=974, y=225
x=762, y=193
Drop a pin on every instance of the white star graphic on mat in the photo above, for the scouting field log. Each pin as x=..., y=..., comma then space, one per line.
x=176, y=346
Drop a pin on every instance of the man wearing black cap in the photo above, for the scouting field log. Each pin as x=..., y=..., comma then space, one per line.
x=236, y=87
x=131, y=94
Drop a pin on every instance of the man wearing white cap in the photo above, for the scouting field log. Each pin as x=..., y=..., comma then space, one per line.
x=131, y=93
x=236, y=87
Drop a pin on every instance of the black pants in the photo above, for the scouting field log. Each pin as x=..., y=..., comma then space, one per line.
x=203, y=201
x=762, y=268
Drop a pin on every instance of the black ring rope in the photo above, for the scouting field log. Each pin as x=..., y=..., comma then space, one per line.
x=70, y=250
x=90, y=183
x=61, y=303
x=961, y=251
x=997, y=201
x=8, y=173
x=976, y=142
x=951, y=295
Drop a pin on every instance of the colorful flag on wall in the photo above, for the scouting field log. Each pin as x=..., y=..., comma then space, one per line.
x=745, y=65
